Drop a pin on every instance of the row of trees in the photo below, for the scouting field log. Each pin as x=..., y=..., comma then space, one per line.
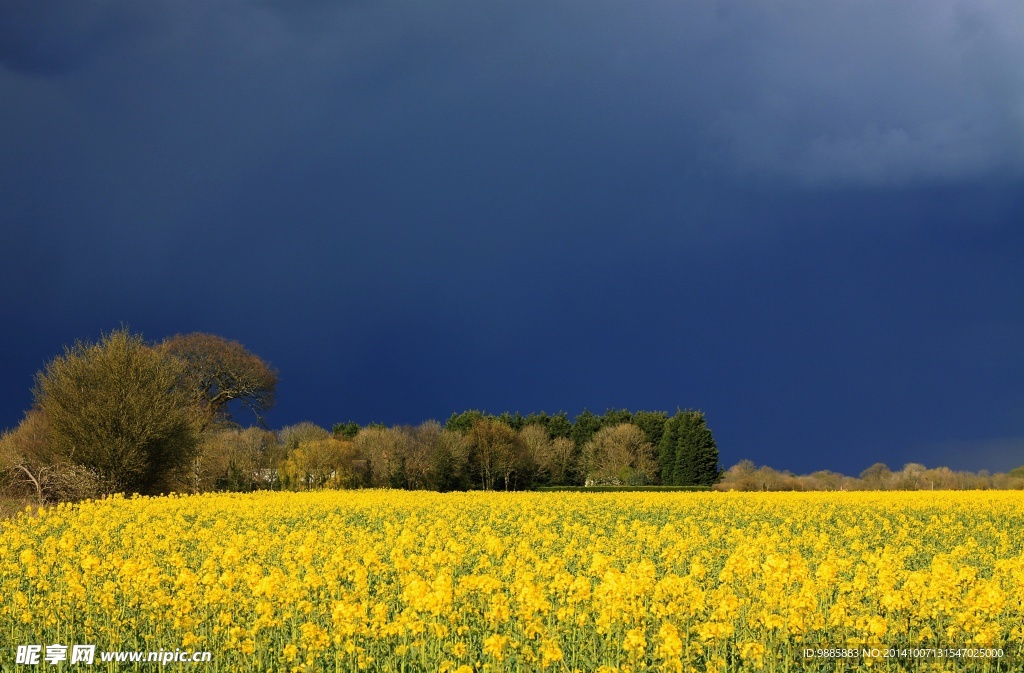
x=633, y=448
x=124, y=415
x=746, y=476
x=471, y=451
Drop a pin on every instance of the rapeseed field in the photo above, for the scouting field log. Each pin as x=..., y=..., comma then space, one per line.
x=466, y=582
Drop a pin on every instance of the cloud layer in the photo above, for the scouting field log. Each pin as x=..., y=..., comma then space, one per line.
x=797, y=215
x=862, y=93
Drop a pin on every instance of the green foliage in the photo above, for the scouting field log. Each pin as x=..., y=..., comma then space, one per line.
x=688, y=453
x=515, y=421
x=1017, y=472
x=613, y=417
x=117, y=408
x=464, y=421
x=129, y=416
x=696, y=452
x=556, y=426
x=584, y=428
x=559, y=426
x=652, y=423
x=667, y=449
x=347, y=430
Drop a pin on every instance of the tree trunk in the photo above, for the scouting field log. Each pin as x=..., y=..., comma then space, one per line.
x=39, y=489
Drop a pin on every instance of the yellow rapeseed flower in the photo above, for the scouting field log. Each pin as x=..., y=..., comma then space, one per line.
x=385, y=580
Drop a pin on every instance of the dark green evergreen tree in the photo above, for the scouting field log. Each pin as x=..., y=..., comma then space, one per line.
x=346, y=430
x=515, y=421
x=464, y=421
x=613, y=417
x=696, y=454
x=584, y=428
x=667, y=449
x=541, y=419
x=559, y=426
x=653, y=425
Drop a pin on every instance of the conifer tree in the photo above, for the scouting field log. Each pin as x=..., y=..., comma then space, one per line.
x=687, y=452
x=653, y=425
x=667, y=449
x=584, y=427
x=696, y=455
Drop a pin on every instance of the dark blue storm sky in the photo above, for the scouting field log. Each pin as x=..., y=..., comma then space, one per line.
x=804, y=218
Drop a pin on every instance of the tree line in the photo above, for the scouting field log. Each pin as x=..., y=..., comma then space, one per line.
x=471, y=450
x=125, y=415
x=746, y=476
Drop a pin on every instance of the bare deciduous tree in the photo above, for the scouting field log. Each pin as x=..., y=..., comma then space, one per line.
x=291, y=436
x=619, y=455
x=234, y=459
x=538, y=446
x=25, y=452
x=32, y=466
x=217, y=371
x=384, y=449
x=320, y=463
x=495, y=451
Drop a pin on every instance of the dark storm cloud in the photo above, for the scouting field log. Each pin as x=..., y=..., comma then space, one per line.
x=51, y=38
x=876, y=93
x=862, y=93
x=416, y=208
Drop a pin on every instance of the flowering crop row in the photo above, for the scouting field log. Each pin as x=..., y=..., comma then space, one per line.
x=409, y=581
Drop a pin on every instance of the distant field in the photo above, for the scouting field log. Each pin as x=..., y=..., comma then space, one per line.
x=389, y=581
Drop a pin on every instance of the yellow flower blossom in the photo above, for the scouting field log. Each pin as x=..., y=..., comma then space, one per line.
x=494, y=646
x=467, y=582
